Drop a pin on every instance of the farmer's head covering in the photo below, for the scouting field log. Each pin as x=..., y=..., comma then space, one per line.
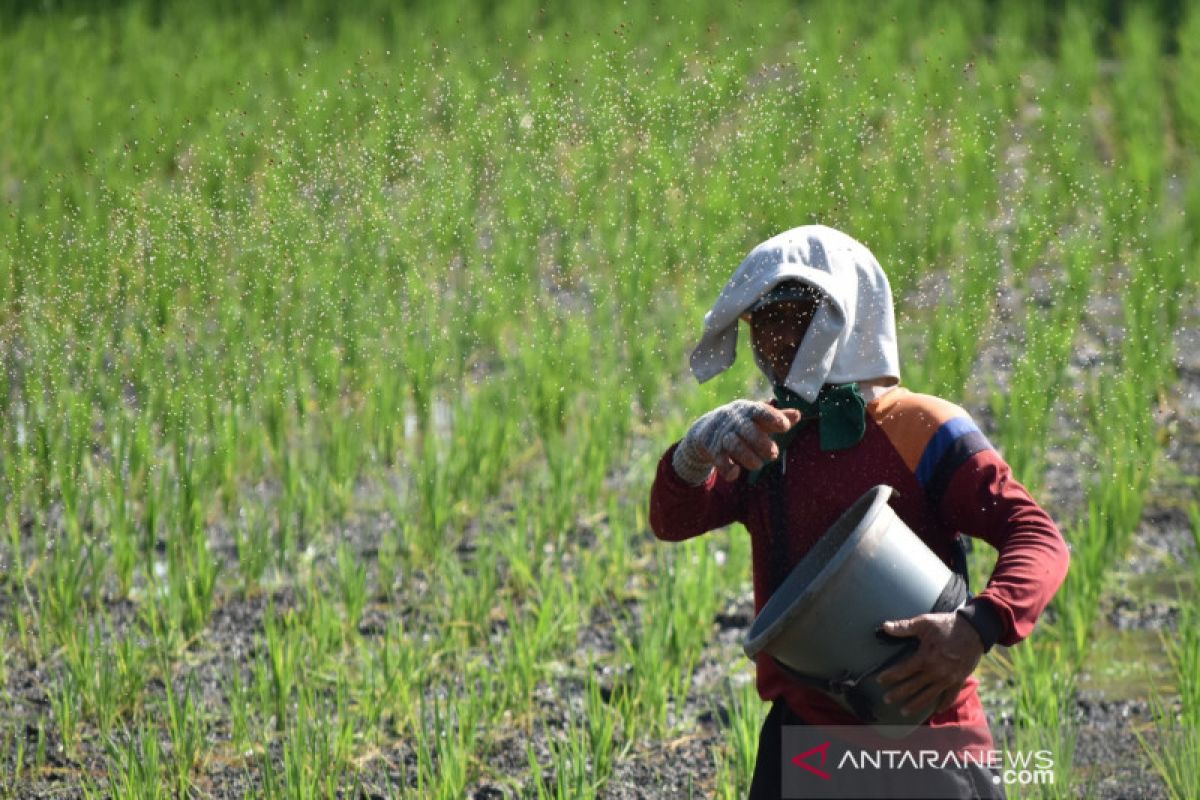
x=853, y=334
x=788, y=290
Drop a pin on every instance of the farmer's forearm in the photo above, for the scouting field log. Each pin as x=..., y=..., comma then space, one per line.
x=1030, y=567
x=680, y=511
x=984, y=500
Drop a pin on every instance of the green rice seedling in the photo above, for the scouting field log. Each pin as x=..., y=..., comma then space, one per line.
x=69, y=457
x=380, y=418
x=644, y=701
x=1044, y=681
x=369, y=694
x=239, y=698
x=187, y=595
x=433, y=494
x=1024, y=412
x=155, y=618
x=1194, y=519
x=1114, y=500
x=556, y=618
x=15, y=573
x=1078, y=56
x=398, y=671
x=315, y=752
x=443, y=746
x=1184, y=92
x=471, y=590
x=64, y=583
x=319, y=626
x=21, y=614
x=292, y=531
x=252, y=539
x=136, y=767
x=1140, y=102
x=152, y=505
x=224, y=420
x=124, y=544
x=570, y=776
x=516, y=545
x=132, y=667
x=955, y=330
x=518, y=651
x=187, y=730
x=39, y=750
x=677, y=618
x=65, y=702
x=276, y=677
x=352, y=585
x=349, y=449
x=387, y=567
x=94, y=676
x=1091, y=559
x=1174, y=751
x=601, y=721
x=14, y=743
x=738, y=751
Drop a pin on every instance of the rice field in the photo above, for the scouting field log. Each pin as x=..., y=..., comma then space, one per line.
x=339, y=347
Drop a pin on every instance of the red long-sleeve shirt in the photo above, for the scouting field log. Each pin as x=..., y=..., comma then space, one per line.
x=948, y=480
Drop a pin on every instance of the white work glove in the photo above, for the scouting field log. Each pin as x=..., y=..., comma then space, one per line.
x=730, y=437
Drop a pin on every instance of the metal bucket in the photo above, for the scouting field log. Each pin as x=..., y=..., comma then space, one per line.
x=820, y=625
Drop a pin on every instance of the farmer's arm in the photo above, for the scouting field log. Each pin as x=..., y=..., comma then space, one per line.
x=679, y=510
x=985, y=500
x=696, y=488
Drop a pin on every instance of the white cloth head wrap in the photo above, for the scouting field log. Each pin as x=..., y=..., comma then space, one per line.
x=853, y=334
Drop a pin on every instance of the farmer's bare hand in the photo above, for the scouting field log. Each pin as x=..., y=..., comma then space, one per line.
x=949, y=651
x=731, y=437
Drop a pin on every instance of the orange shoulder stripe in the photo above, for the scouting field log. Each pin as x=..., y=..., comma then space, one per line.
x=910, y=420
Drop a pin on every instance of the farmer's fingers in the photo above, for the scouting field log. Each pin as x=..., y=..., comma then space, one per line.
x=914, y=626
x=774, y=420
x=910, y=666
x=725, y=467
x=740, y=451
x=906, y=691
x=758, y=441
x=927, y=697
x=721, y=461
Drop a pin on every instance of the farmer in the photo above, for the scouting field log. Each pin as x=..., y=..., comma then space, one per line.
x=819, y=310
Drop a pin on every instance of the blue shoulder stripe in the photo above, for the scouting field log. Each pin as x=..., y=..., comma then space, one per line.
x=946, y=443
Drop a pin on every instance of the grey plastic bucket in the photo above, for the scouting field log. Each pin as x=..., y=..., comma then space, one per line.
x=869, y=567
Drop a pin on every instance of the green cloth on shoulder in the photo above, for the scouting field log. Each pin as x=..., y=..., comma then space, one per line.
x=840, y=410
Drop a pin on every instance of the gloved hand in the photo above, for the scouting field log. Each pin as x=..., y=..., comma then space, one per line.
x=730, y=437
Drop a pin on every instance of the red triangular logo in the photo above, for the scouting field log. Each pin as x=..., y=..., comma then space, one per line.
x=800, y=761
